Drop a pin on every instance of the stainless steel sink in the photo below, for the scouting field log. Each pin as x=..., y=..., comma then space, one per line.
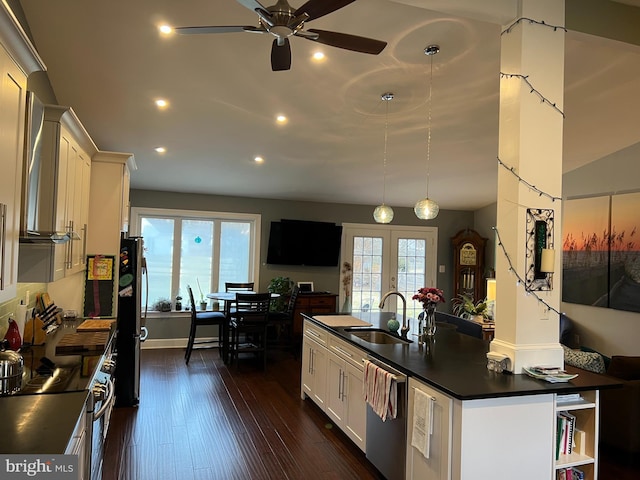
x=376, y=335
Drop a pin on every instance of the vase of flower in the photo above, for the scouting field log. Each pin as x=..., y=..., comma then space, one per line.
x=430, y=320
x=346, y=284
x=429, y=297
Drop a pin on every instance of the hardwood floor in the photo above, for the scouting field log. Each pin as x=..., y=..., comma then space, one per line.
x=207, y=421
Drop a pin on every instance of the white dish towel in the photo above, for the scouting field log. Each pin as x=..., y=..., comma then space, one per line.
x=422, y=422
x=380, y=390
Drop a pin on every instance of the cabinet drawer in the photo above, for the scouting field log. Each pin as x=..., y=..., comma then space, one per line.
x=350, y=353
x=315, y=333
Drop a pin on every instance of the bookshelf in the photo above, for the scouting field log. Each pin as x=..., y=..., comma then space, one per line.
x=584, y=454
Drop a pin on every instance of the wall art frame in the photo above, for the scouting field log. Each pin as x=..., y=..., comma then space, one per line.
x=539, y=236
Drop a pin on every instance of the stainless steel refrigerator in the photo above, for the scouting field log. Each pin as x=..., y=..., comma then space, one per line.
x=130, y=326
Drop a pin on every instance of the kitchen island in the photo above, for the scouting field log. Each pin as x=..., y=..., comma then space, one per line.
x=484, y=424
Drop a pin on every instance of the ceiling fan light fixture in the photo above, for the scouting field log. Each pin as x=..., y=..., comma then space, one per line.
x=427, y=209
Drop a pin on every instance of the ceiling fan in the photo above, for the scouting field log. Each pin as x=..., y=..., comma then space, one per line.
x=282, y=21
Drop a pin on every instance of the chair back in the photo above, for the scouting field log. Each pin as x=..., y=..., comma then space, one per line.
x=291, y=306
x=193, y=303
x=238, y=287
x=252, y=307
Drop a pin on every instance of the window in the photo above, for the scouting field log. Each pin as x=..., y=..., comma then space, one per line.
x=387, y=258
x=200, y=249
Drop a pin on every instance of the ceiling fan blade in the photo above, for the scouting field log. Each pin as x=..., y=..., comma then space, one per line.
x=280, y=55
x=348, y=42
x=319, y=8
x=213, y=29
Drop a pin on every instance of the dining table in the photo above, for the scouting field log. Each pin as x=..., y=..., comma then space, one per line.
x=228, y=298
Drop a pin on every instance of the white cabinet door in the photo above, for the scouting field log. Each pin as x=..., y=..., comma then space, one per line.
x=12, y=120
x=438, y=465
x=336, y=397
x=314, y=371
x=355, y=414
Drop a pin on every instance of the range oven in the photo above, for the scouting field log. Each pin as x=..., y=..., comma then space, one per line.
x=46, y=372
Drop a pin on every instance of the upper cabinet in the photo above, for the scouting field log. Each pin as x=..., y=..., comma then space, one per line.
x=18, y=59
x=58, y=245
x=109, y=210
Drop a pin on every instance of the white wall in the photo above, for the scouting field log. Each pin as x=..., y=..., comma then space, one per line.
x=612, y=332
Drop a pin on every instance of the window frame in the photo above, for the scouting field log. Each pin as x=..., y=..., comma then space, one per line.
x=217, y=217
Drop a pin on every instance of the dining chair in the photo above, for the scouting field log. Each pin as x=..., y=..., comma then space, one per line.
x=248, y=326
x=281, y=324
x=238, y=287
x=198, y=319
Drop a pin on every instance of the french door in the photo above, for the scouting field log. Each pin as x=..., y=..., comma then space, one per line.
x=384, y=258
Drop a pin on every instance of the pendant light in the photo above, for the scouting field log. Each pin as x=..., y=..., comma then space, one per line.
x=384, y=213
x=427, y=209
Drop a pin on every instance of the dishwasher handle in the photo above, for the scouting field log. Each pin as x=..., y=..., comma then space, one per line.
x=398, y=376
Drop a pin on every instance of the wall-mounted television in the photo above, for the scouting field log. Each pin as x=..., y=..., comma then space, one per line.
x=300, y=242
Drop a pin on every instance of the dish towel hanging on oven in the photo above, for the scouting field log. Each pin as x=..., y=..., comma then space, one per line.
x=422, y=421
x=380, y=390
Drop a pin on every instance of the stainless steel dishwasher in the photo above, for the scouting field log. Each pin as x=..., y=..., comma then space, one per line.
x=386, y=441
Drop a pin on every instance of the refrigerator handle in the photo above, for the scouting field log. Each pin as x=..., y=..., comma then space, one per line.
x=144, y=332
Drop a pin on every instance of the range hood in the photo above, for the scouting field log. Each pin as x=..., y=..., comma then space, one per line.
x=33, y=229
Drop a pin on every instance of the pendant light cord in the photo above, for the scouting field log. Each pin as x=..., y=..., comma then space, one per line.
x=429, y=124
x=384, y=159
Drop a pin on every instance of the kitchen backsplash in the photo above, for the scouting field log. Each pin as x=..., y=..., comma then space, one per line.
x=8, y=309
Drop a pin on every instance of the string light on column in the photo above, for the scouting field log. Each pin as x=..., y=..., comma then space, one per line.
x=427, y=209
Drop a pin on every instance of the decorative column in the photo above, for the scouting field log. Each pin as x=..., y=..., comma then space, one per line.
x=529, y=185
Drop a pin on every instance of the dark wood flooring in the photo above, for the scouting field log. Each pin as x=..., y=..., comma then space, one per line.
x=209, y=421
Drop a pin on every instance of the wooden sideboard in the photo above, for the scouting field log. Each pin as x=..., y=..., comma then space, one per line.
x=313, y=303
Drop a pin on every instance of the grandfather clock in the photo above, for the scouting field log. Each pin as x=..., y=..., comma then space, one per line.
x=468, y=264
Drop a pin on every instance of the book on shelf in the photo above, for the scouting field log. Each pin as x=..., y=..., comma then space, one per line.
x=559, y=431
x=568, y=397
x=577, y=474
x=561, y=474
x=580, y=441
x=570, y=425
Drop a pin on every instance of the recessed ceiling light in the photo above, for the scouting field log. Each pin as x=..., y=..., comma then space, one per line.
x=318, y=56
x=165, y=29
x=258, y=159
x=162, y=103
x=160, y=149
x=281, y=119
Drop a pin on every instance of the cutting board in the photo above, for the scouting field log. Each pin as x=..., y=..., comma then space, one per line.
x=341, y=321
x=84, y=342
x=95, y=325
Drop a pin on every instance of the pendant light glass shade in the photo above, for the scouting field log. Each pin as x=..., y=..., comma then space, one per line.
x=427, y=209
x=384, y=213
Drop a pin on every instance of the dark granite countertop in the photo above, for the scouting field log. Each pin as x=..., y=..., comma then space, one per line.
x=456, y=364
x=39, y=424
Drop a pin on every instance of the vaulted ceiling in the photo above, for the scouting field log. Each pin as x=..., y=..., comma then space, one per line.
x=108, y=61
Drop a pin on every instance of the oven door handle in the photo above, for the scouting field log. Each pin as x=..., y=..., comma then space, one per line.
x=106, y=403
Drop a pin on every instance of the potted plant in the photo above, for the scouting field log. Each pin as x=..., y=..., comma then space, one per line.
x=464, y=307
x=203, y=302
x=282, y=286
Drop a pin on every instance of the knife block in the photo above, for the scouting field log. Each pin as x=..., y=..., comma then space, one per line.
x=33, y=332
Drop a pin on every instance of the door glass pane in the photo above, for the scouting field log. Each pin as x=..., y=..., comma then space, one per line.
x=367, y=273
x=158, y=250
x=195, y=257
x=411, y=272
x=235, y=242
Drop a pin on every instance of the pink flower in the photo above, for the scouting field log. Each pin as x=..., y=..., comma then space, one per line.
x=429, y=296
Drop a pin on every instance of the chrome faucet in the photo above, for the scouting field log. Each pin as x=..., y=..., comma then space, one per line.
x=405, y=321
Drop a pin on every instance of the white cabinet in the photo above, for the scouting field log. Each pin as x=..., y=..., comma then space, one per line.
x=345, y=404
x=583, y=413
x=17, y=60
x=109, y=201
x=439, y=429
x=63, y=207
x=314, y=364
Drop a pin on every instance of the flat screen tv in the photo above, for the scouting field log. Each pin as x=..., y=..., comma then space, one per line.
x=300, y=242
